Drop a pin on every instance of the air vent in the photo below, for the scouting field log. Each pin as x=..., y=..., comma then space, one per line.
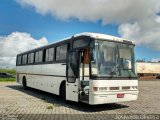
x=114, y=88
x=125, y=87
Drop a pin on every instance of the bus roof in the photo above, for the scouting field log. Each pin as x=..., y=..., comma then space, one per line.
x=88, y=34
x=94, y=35
x=101, y=36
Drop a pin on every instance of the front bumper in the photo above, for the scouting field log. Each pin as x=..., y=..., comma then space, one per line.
x=111, y=97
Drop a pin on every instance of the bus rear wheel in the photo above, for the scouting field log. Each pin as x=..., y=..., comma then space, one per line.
x=24, y=83
x=63, y=91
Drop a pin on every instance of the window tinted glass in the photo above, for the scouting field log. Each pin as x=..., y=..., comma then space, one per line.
x=40, y=56
x=19, y=60
x=58, y=53
x=61, y=52
x=49, y=54
x=4, y=73
x=36, y=57
x=24, y=59
x=80, y=43
x=31, y=58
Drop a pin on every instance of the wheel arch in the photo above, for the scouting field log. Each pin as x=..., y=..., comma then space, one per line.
x=61, y=85
x=24, y=80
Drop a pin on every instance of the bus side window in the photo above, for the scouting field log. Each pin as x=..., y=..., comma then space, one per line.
x=36, y=57
x=49, y=56
x=19, y=60
x=61, y=52
x=40, y=56
x=31, y=58
x=24, y=59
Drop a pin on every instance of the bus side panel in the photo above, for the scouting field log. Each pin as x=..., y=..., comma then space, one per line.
x=45, y=77
x=45, y=83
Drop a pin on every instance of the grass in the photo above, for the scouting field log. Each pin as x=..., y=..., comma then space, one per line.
x=50, y=107
x=7, y=79
x=11, y=71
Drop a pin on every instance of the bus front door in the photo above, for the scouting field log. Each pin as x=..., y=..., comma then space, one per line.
x=72, y=72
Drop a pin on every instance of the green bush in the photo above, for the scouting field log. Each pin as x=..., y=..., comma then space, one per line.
x=7, y=79
x=10, y=71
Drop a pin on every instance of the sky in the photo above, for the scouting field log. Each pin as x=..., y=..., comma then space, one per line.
x=27, y=24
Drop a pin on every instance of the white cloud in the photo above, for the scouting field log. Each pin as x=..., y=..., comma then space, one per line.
x=155, y=60
x=15, y=43
x=137, y=19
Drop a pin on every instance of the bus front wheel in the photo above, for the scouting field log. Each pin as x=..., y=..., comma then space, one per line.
x=63, y=91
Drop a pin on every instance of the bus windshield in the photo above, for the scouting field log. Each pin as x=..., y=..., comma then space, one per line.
x=113, y=59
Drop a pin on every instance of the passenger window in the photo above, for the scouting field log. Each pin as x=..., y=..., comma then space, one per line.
x=19, y=60
x=31, y=58
x=58, y=53
x=36, y=57
x=39, y=56
x=24, y=59
x=49, y=55
x=61, y=52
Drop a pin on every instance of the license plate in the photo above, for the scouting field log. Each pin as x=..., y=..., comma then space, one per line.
x=120, y=95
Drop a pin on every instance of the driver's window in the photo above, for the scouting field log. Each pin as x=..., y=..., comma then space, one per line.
x=125, y=57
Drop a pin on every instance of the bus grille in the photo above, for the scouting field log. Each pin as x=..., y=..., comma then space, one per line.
x=114, y=88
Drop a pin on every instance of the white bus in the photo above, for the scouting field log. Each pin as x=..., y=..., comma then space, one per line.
x=88, y=67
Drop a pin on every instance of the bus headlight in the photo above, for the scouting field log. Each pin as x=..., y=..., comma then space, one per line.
x=95, y=88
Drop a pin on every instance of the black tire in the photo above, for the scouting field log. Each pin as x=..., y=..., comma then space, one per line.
x=63, y=92
x=24, y=83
